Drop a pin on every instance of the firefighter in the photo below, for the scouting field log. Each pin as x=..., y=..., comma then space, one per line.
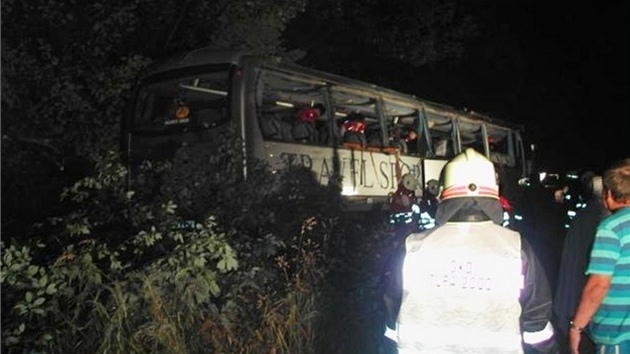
x=428, y=204
x=469, y=285
x=403, y=199
x=403, y=206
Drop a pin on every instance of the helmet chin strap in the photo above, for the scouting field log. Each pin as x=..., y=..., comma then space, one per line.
x=470, y=209
x=469, y=216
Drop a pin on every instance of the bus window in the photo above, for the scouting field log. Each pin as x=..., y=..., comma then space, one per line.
x=442, y=146
x=403, y=128
x=352, y=128
x=291, y=108
x=442, y=136
x=502, y=149
x=191, y=103
x=357, y=119
x=403, y=134
x=374, y=132
x=171, y=112
x=472, y=136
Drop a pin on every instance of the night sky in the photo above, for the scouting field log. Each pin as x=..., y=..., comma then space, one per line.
x=561, y=70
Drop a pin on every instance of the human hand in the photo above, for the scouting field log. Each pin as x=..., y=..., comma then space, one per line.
x=574, y=341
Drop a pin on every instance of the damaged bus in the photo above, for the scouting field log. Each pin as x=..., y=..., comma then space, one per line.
x=287, y=114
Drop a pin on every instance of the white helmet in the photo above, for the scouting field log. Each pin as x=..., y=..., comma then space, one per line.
x=469, y=174
x=410, y=182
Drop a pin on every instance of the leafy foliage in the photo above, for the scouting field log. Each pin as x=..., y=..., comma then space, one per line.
x=121, y=271
x=126, y=270
x=68, y=68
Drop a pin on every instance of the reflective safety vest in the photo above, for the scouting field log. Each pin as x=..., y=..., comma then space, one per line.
x=461, y=288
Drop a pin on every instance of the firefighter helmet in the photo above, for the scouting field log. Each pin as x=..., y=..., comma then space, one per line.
x=410, y=182
x=469, y=174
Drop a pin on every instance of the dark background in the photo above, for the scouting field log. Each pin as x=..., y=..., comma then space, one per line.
x=559, y=68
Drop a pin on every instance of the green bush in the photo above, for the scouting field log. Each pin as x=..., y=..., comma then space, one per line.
x=124, y=271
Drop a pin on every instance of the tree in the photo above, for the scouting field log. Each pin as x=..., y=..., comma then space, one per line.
x=68, y=68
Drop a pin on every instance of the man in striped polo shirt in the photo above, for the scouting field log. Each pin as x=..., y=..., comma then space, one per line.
x=605, y=302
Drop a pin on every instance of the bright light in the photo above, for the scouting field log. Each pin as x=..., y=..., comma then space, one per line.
x=284, y=104
x=348, y=190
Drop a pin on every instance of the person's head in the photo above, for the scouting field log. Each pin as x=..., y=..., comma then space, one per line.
x=616, y=182
x=586, y=178
x=585, y=186
x=597, y=187
x=591, y=186
x=469, y=174
x=311, y=113
x=409, y=181
x=433, y=187
x=320, y=107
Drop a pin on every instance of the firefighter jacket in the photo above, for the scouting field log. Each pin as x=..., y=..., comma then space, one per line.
x=472, y=287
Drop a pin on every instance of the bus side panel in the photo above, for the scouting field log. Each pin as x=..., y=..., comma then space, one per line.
x=432, y=169
x=364, y=173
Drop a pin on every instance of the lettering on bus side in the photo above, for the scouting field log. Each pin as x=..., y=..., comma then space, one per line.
x=302, y=160
x=365, y=172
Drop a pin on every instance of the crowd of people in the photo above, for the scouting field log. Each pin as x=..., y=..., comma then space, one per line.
x=472, y=285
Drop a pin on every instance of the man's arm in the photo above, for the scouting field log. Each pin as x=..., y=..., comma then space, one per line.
x=536, y=303
x=592, y=296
